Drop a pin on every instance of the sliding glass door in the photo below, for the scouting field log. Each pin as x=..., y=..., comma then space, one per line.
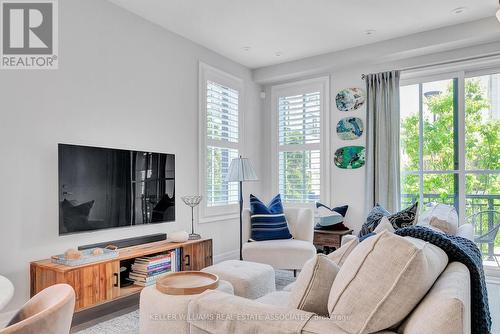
x=450, y=150
x=429, y=154
x=482, y=160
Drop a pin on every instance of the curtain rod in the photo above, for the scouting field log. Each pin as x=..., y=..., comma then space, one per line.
x=496, y=54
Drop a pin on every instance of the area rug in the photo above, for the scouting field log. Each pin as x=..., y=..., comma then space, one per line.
x=129, y=323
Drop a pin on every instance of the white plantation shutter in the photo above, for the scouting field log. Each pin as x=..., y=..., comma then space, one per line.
x=299, y=143
x=222, y=131
x=299, y=119
x=222, y=112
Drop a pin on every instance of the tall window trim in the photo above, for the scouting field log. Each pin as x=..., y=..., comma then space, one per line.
x=209, y=73
x=321, y=84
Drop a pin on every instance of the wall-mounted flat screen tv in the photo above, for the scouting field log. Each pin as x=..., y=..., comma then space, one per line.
x=101, y=188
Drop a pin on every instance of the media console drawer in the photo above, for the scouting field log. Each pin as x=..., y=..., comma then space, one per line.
x=99, y=282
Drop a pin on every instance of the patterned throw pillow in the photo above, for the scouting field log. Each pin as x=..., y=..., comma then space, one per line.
x=403, y=218
x=268, y=222
x=333, y=222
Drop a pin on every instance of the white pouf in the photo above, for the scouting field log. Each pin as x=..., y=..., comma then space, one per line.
x=162, y=313
x=249, y=279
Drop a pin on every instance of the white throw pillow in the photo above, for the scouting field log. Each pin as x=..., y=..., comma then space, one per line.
x=311, y=289
x=384, y=225
x=327, y=217
x=440, y=216
x=382, y=281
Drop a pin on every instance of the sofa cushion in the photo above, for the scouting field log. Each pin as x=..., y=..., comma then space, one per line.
x=382, y=280
x=276, y=298
x=403, y=218
x=340, y=255
x=268, y=222
x=440, y=216
x=281, y=254
x=312, y=287
x=450, y=299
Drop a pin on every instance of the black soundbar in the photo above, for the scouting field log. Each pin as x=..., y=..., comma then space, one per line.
x=128, y=242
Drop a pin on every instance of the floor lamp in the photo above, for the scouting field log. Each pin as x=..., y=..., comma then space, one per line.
x=241, y=170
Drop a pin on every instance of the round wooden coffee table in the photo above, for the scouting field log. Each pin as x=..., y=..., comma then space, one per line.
x=187, y=283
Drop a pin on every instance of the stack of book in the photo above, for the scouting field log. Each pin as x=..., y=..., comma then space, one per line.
x=147, y=269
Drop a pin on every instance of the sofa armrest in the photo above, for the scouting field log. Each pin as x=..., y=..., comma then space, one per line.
x=466, y=231
x=214, y=312
x=301, y=223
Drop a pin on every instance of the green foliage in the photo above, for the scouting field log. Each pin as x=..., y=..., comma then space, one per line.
x=481, y=138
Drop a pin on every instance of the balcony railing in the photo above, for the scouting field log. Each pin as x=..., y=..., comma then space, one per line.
x=474, y=204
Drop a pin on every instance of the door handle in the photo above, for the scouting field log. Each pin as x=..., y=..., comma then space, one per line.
x=116, y=280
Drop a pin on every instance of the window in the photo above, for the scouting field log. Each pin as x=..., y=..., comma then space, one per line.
x=220, y=138
x=429, y=154
x=450, y=146
x=300, y=117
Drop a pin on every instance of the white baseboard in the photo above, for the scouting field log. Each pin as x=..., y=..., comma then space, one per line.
x=231, y=255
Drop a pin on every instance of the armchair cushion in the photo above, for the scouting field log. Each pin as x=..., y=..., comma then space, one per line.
x=280, y=254
x=311, y=290
x=268, y=222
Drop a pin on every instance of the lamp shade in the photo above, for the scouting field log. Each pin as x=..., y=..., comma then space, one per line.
x=241, y=170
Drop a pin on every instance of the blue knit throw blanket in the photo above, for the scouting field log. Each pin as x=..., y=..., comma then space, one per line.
x=464, y=251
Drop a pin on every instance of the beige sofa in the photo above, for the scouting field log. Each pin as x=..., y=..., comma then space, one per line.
x=445, y=308
x=430, y=295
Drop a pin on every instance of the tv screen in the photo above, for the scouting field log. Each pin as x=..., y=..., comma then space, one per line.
x=102, y=188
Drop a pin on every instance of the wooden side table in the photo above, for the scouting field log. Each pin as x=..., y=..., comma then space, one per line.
x=329, y=241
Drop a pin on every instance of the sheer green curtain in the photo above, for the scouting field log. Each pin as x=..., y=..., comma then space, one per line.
x=382, y=143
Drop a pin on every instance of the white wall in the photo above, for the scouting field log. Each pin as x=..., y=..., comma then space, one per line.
x=122, y=82
x=345, y=69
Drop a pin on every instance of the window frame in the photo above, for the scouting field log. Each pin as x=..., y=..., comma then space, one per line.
x=210, y=73
x=321, y=84
x=460, y=75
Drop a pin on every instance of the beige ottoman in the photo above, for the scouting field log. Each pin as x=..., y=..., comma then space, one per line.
x=160, y=313
x=249, y=279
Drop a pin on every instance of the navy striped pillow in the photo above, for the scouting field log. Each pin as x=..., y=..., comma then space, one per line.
x=268, y=222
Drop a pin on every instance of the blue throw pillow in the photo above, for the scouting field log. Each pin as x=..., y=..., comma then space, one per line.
x=403, y=218
x=366, y=236
x=268, y=222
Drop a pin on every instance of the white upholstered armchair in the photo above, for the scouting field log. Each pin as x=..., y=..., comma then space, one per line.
x=283, y=254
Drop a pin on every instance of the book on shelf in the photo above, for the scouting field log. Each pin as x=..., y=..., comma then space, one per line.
x=147, y=269
x=145, y=283
x=147, y=278
x=153, y=260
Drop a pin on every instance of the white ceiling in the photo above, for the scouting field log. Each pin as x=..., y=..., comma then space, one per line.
x=295, y=29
